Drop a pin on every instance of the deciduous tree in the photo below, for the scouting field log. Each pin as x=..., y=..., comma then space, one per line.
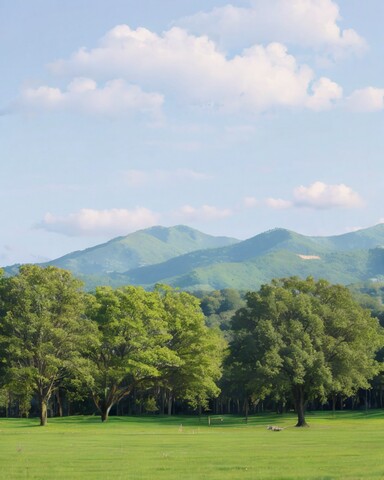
x=133, y=348
x=307, y=338
x=43, y=330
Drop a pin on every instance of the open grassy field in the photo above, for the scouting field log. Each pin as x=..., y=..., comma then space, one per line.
x=345, y=445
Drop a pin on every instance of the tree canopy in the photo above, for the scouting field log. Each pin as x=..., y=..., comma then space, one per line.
x=43, y=330
x=148, y=338
x=293, y=341
x=199, y=350
x=306, y=339
x=132, y=347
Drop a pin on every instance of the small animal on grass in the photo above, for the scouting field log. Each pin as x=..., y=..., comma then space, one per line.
x=274, y=428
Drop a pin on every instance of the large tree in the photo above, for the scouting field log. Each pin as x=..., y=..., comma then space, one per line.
x=43, y=330
x=133, y=343
x=152, y=339
x=304, y=338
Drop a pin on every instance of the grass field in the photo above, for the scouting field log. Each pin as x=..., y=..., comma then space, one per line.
x=345, y=445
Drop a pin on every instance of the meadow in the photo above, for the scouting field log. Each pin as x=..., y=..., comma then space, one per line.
x=346, y=445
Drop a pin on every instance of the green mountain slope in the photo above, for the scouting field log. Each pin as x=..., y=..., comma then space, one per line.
x=337, y=267
x=243, y=252
x=361, y=239
x=144, y=247
x=277, y=253
x=191, y=260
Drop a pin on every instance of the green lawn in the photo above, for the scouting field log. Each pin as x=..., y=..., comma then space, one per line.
x=347, y=445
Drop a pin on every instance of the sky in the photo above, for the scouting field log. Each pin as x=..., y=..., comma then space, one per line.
x=232, y=118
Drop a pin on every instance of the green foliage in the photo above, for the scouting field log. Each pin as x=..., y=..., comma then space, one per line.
x=43, y=330
x=150, y=405
x=4, y=397
x=219, y=307
x=199, y=350
x=149, y=338
x=293, y=339
x=305, y=338
x=132, y=348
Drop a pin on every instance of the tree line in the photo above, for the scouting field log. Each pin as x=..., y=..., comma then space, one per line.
x=291, y=343
x=105, y=345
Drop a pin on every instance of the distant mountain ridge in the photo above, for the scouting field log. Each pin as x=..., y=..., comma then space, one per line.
x=192, y=260
x=144, y=247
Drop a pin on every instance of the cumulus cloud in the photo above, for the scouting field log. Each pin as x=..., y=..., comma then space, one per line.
x=204, y=213
x=138, y=70
x=306, y=23
x=140, y=178
x=89, y=222
x=84, y=95
x=320, y=196
x=369, y=99
x=191, y=69
x=325, y=94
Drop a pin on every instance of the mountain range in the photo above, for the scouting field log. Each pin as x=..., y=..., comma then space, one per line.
x=188, y=259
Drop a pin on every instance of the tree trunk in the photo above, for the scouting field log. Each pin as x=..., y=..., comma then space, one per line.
x=59, y=404
x=300, y=404
x=43, y=412
x=170, y=404
x=104, y=410
x=8, y=406
x=246, y=409
x=162, y=401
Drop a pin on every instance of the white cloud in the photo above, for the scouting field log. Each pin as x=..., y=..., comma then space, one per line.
x=250, y=202
x=369, y=99
x=319, y=196
x=278, y=203
x=307, y=23
x=190, y=69
x=325, y=94
x=89, y=222
x=83, y=95
x=322, y=196
x=140, y=178
x=204, y=213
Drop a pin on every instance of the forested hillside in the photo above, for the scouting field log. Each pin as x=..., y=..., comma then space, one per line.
x=191, y=260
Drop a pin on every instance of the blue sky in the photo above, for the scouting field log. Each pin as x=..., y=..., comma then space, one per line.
x=232, y=118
